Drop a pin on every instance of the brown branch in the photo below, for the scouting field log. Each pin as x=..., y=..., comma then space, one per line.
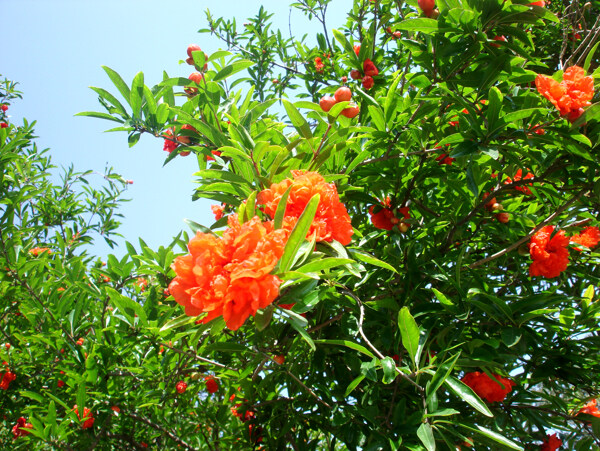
x=530, y=234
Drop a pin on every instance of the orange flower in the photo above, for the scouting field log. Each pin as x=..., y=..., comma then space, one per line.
x=331, y=222
x=552, y=443
x=570, y=95
x=218, y=211
x=319, y=64
x=39, y=250
x=356, y=49
x=519, y=176
x=550, y=255
x=230, y=276
x=487, y=388
x=589, y=237
x=20, y=429
x=590, y=408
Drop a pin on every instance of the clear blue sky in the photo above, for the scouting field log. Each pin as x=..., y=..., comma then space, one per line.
x=54, y=49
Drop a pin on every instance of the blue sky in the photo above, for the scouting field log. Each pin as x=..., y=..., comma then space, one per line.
x=55, y=51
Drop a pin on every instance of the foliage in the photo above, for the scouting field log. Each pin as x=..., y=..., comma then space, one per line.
x=381, y=330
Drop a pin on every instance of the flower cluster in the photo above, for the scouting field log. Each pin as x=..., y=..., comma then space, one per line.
x=488, y=388
x=36, y=251
x=20, y=429
x=550, y=253
x=570, y=95
x=230, y=276
x=331, y=221
x=384, y=217
x=212, y=386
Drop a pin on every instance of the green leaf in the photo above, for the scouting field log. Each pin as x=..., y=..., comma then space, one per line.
x=367, y=258
x=262, y=318
x=442, y=298
x=137, y=92
x=522, y=114
x=441, y=374
x=354, y=384
x=348, y=344
x=125, y=304
x=280, y=211
x=112, y=99
x=590, y=57
x=451, y=139
x=297, y=119
x=409, y=332
x=422, y=24
x=302, y=332
x=425, y=434
x=118, y=82
x=494, y=106
x=341, y=38
x=299, y=233
x=323, y=264
x=497, y=437
x=100, y=116
x=389, y=370
x=232, y=68
x=468, y=395
x=182, y=320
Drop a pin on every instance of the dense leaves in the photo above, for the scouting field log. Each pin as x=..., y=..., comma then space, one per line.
x=438, y=322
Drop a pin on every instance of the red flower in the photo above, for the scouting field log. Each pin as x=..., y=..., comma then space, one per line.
x=87, y=416
x=3, y=125
x=552, y=443
x=487, y=388
x=589, y=237
x=230, y=276
x=541, y=3
x=368, y=82
x=498, y=38
x=4, y=107
x=574, y=92
x=80, y=341
x=590, y=408
x=212, y=386
x=319, y=64
x=20, y=429
x=369, y=68
x=181, y=387
x=169, y=146
x=356, y=49
x=385, y=218
x=550, y=254
x=7, y=378
x=331, y=222
x=217, y=211
x=444, y=158
x=518, y=176
x=61, y=384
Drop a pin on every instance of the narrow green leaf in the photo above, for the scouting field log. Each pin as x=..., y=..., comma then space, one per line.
x=118, y=82
x=441, y=374
x=425, y=434
x=494, y=106
x=297, y=119
x=468, y=395
x=280, y=212
x=409, y=332
x=348, y=344
x=232, y=68
x=98, y=115
x=299, y=233
x=498, y=438
x=391, y=98
x=354, y=384
x=178, y=322
x=137, y=92
x=250, y=210
x=112, y=99
x=590, y=57
x=377, y=117
x=442, y=297
x=323, y=264
x=452, y=139
x=521, y=114
x=341, y=38
x=262, y=318
x=150, y=101
x=367, y=258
